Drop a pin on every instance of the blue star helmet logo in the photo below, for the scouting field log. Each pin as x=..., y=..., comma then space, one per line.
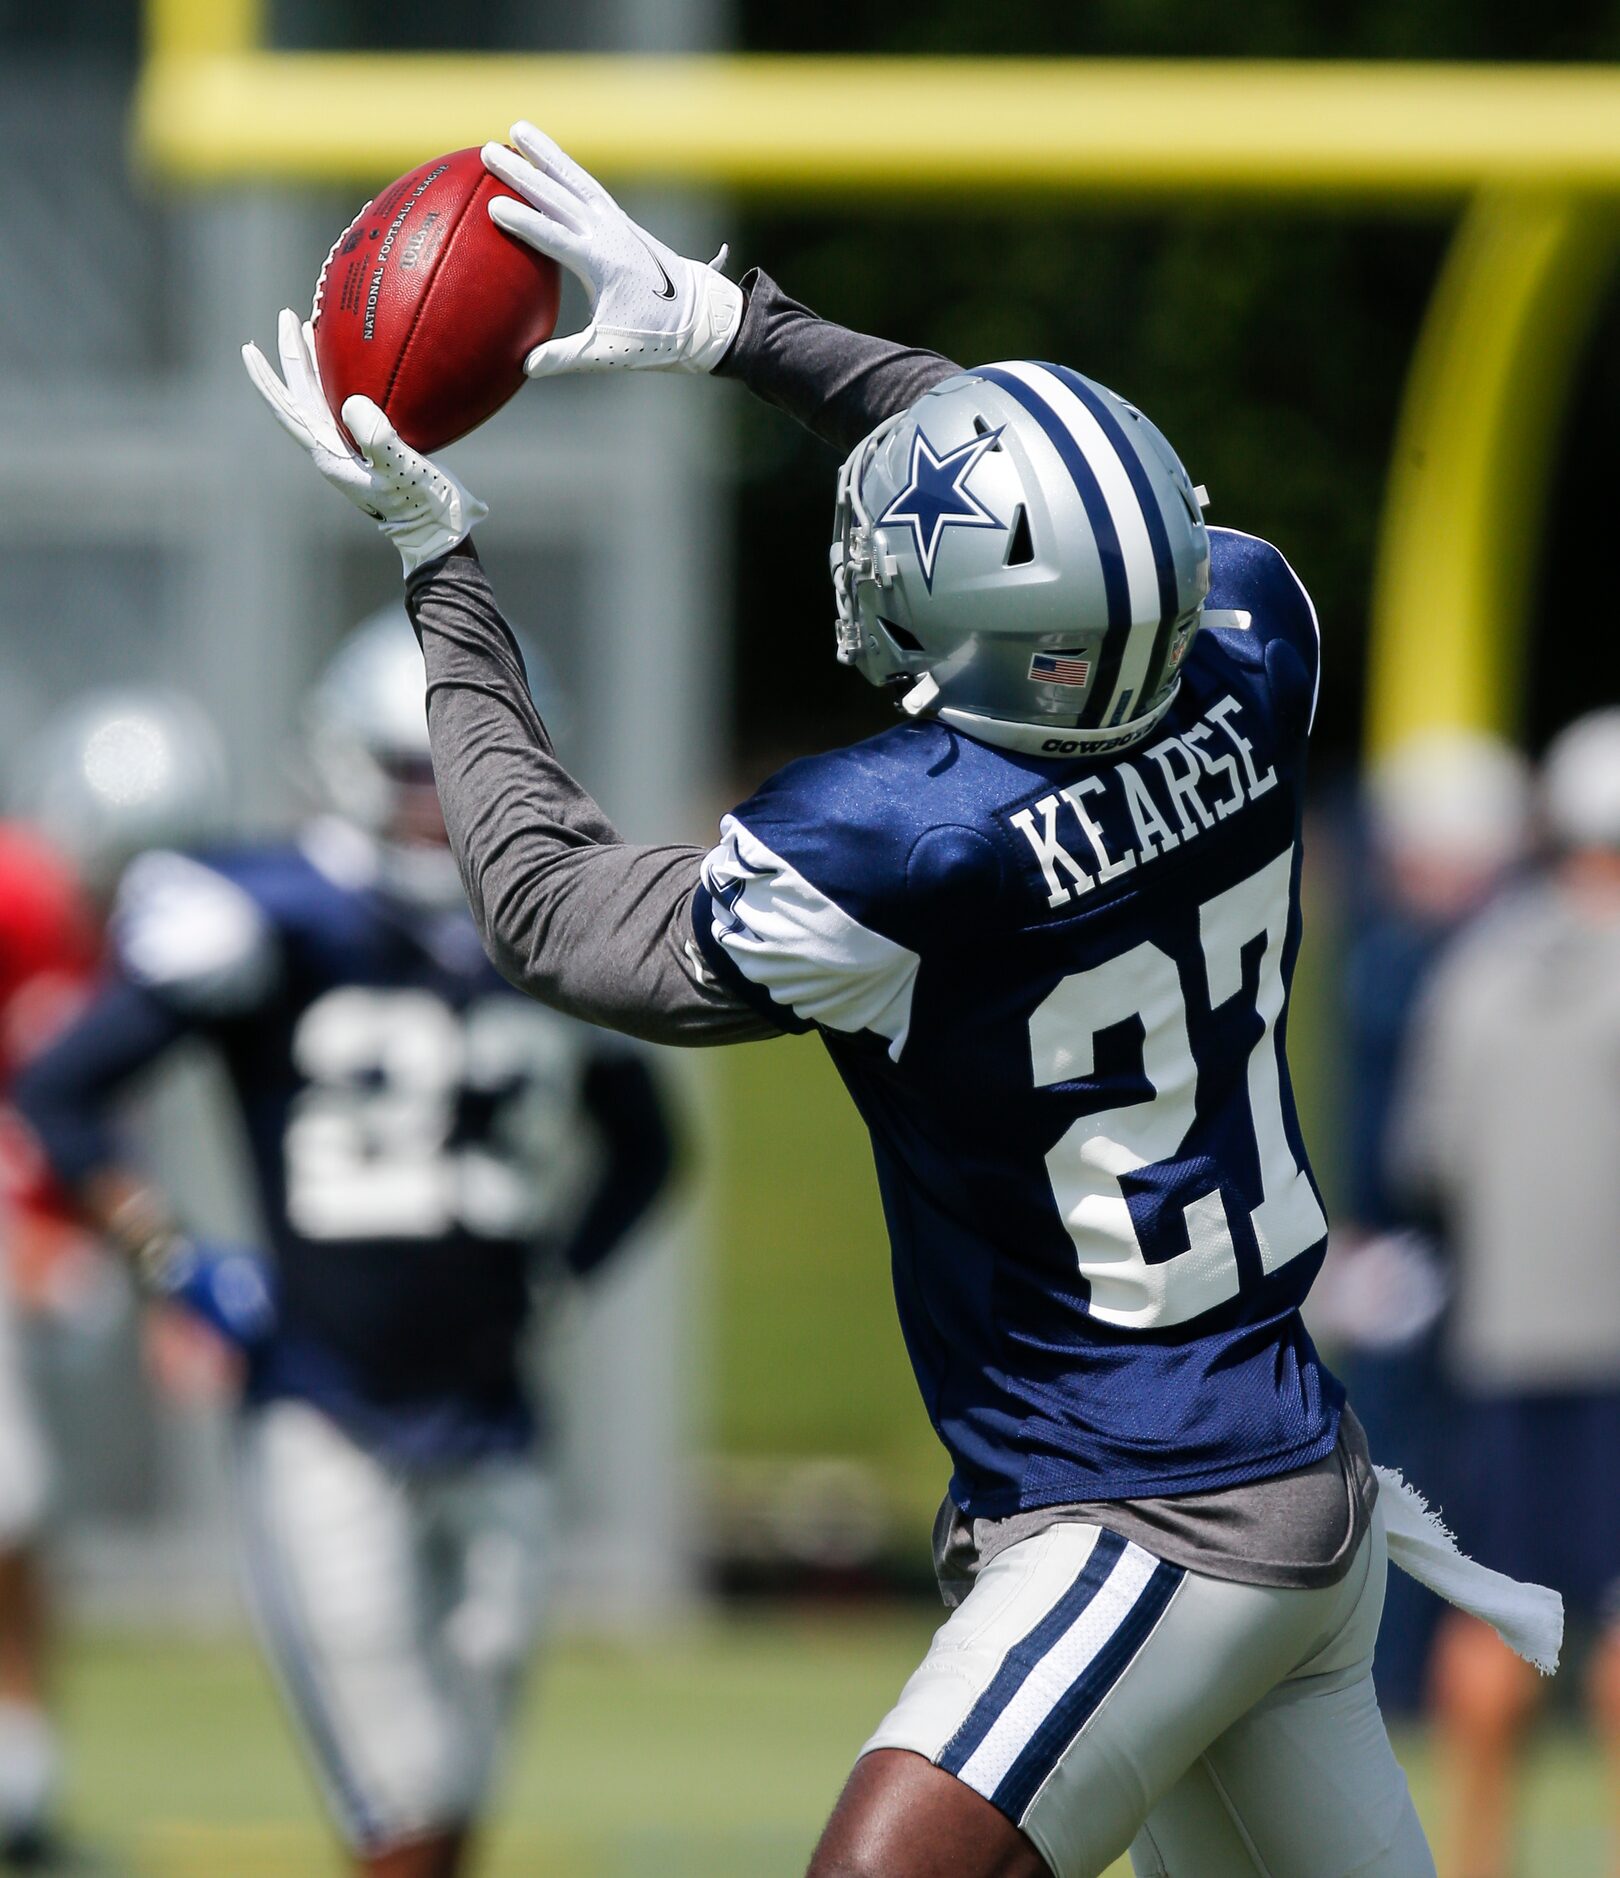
x=937, y=497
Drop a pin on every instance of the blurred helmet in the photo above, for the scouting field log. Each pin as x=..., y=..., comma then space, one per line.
x=1027, y=551
x=366, y=722
x=118, y=771
x=367, y=738
x=1581, y=782
x=1452, y=795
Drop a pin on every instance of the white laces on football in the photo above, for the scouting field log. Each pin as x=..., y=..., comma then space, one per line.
x=421, y=508
x=650, y=307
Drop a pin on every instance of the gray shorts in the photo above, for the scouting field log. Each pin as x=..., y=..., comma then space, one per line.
x=1107, y=1700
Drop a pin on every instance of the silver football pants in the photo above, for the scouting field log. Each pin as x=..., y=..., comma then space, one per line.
x=398, y=1612
x=1106, y=1700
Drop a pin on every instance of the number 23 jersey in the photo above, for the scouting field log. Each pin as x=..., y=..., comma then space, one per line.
x=1057, y=989
x=416, y=1128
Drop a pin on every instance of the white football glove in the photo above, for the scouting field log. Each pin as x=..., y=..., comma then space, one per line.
x=421, y=508
x=649, y=307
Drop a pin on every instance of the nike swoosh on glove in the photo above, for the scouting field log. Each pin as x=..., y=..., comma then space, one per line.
x=421, y=508
x=650, y=308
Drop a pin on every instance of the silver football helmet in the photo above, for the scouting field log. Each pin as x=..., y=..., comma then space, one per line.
x=365, y=721
x=1025, y=549
x=366, y=736
x=118, y=771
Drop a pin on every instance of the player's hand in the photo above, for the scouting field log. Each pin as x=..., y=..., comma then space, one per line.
x=226, y=1288
x=650, y=308
x=421, y=508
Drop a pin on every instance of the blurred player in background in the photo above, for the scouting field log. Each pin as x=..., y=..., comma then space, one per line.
x=1045, y=927
x=1447, y=819
x=110, y=773
x=1508, y=1128
x=422, y=1139
x=47, y=955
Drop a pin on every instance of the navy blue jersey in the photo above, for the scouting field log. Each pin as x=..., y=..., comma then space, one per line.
x=416, y=1127
x=1057, y=989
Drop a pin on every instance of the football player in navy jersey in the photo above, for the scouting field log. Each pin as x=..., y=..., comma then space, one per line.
x=419, y=1133
x=1045, y=926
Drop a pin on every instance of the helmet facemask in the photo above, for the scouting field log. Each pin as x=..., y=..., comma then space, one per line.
x=862, y=570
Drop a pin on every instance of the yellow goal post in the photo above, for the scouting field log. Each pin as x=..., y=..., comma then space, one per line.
x=1529, y=156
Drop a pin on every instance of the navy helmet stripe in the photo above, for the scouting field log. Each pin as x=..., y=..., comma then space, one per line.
x=1164, y=559
x=1086, y=1694
x=1116, y=584
x=1021, y=1659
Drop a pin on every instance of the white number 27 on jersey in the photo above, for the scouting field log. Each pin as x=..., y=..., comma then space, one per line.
x=1087, y=1163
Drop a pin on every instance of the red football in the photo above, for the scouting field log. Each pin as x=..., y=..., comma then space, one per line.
x=427, y=308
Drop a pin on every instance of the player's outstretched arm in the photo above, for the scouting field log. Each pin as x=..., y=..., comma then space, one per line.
x=65, y=1096
x=568, y=912
x=653, y=308
x=596, y=926
x=837, y=383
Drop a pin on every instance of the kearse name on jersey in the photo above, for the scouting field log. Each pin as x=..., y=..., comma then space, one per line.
x=1172, y=792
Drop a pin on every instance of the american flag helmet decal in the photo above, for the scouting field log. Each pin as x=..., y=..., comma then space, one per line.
x=1060, y=668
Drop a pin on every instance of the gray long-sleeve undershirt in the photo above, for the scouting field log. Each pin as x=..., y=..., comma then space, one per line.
x=836, y=383
x=574, y=916
x=571, y=914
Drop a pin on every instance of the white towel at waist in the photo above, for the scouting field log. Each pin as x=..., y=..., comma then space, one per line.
x=1528, y=1618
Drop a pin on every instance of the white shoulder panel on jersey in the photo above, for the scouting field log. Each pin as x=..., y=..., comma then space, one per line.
x=185, y=931
x=786, y=936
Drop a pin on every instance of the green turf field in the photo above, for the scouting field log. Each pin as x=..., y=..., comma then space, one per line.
x=713, y=1755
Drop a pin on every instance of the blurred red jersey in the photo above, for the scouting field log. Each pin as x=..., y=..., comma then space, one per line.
x=49, y=947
